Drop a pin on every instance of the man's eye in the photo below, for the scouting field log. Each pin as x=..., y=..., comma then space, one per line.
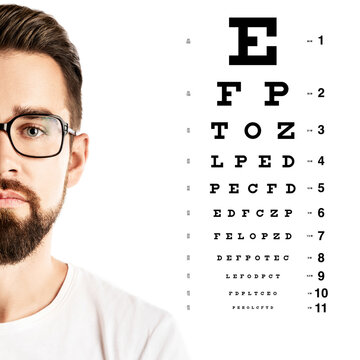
x=33, y=131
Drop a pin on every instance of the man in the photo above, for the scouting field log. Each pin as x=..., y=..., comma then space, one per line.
x=49, y=309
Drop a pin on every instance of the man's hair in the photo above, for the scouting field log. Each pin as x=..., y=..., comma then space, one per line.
x=33, y=31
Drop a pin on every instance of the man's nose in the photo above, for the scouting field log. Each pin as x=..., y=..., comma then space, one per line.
x=8, y=155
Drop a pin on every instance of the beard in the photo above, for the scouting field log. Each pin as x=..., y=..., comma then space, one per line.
x=19, y=238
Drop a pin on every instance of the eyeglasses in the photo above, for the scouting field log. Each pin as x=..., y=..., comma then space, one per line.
x=37, y=136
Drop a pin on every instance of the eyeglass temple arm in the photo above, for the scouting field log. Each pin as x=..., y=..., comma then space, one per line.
x=72, y=132
x=3, y=126
x=69, y=130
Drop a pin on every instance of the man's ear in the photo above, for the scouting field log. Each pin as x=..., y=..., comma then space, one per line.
x=78, y=156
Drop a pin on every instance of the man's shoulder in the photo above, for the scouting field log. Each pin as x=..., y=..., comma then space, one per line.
x=114, y=303
x=128, y=326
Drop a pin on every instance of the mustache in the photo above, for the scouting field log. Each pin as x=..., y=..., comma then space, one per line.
x=16, y=185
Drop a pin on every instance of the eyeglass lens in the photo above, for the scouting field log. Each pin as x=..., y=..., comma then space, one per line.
x=37, y=135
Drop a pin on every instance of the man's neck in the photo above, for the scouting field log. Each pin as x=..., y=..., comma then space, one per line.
x=29, y=286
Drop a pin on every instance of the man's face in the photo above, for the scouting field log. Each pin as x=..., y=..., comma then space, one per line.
x=29, y=82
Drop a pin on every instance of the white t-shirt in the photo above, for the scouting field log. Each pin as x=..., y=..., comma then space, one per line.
x=91, y=319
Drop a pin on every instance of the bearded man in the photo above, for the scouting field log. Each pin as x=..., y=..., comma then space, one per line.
x=50, y=309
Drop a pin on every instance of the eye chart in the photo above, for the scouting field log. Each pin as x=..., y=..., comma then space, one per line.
x=267, y=168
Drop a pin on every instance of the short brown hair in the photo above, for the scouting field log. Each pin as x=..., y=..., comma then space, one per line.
x=28, y=30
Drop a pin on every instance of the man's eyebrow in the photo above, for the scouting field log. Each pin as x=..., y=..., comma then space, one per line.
x=21, y=110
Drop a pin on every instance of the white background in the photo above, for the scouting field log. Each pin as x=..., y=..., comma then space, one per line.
x=126, y=219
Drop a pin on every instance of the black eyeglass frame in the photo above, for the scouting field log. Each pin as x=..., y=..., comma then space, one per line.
x=64, y=126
